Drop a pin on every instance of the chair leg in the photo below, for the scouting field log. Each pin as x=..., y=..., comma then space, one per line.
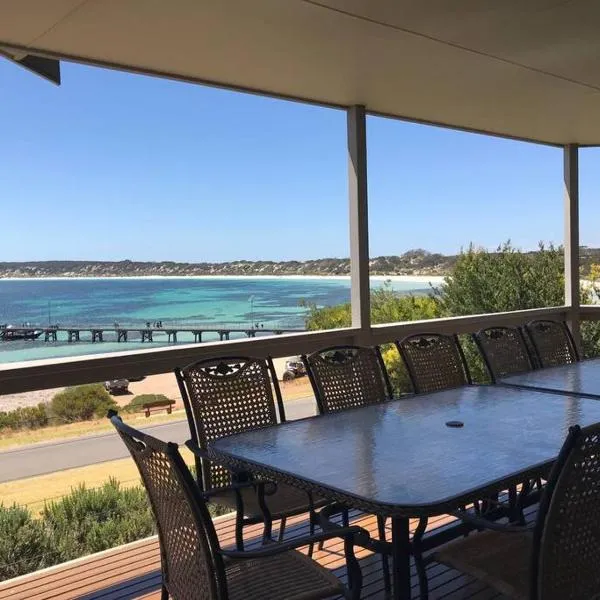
x=311, y=531
x=164, y=593
x=239, y=532
x=384, y=557
x=419, y=562
x=345, y=518
x=282, y=523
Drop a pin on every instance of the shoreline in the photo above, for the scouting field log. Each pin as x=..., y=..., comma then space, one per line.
x=399, y=278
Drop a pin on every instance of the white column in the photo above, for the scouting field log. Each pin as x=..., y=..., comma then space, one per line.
x=571, y=208
x=359, y=222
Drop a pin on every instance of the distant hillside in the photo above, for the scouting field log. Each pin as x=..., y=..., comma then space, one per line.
x=413, y=262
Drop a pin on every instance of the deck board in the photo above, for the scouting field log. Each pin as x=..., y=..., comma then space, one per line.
x=133, y=571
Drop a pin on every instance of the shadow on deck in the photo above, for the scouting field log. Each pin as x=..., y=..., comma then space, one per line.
x=133, y=570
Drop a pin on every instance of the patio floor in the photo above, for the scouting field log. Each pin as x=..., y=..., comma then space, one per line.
x=133, y=571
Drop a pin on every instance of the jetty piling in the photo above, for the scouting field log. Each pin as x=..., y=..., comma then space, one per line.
x=97, y=333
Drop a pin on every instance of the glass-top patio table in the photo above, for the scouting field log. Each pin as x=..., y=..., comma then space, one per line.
x=581, y=379
x=402, y=459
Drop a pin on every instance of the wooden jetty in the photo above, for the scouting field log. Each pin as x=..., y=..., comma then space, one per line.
x=137, y=333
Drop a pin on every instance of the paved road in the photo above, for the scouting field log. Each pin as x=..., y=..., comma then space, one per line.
x=38, y=459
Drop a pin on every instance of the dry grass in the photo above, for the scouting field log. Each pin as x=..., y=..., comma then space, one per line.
x=12, y=439
x=33, y=492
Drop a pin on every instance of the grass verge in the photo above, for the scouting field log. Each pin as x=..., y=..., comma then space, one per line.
x=14, y=439
x=33, y=492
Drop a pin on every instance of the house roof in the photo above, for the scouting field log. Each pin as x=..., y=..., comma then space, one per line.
x=528, y=69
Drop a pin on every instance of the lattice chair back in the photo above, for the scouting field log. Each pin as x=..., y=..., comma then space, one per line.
x=434, y=362
x=552, y=343
x=223, y=397
x=192, y=569
x=567, y=535
x=347, y=377
x=504, y=351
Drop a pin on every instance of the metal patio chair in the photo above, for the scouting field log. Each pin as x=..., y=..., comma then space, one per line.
x=504, y=351
x=342, y=378
x=434, y=362
x=552, y=343
x=195, y=567
x=231, y=395
x=556, y=558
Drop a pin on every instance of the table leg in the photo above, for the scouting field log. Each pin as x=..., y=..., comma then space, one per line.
x=401, y=558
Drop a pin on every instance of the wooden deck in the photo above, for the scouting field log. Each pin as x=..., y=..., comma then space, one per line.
x=133, y=571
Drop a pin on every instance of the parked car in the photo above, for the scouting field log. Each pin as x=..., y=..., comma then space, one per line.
x=294, y=367
x=117, y=386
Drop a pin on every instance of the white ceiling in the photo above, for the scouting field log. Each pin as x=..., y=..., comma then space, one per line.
x=521, y=68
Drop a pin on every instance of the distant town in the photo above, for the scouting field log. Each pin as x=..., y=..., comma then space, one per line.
x=413, y=262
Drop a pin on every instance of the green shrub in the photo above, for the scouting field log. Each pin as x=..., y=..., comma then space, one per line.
x=396, y=370
x=136, y=404
x=24, y=544
x=91, y=520
x=84, y=521
x=26, y=417
x=81, y=403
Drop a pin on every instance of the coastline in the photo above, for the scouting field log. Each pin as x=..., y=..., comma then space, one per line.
x=406, y=278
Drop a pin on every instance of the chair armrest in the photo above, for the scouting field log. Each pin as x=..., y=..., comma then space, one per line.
x=203, y=454
x=197, y=451
x=277, y=547
x=483, y=523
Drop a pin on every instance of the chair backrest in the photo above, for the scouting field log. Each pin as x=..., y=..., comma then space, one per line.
x=434, y=362
x=504, y=351
x=347, y=377
x=567, y=536
x=226, y=396
x=191, y=565
x=552, y=343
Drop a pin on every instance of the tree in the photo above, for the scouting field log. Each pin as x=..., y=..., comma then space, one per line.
x=508, y=280
x=504, y=280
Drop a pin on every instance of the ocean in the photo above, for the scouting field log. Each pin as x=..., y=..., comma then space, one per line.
x=131, y=302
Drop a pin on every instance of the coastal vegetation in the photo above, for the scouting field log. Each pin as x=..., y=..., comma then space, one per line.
x=412, y=262
x=71, y=405
x=86, y=520
x=479, y=282
x=81, y=403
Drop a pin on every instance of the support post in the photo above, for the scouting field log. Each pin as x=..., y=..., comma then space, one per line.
x=571, y=209
x=359, y=223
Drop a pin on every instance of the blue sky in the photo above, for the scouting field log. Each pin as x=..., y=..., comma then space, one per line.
x=113, y=166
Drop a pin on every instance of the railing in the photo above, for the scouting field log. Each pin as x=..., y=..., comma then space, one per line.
x=44, y=374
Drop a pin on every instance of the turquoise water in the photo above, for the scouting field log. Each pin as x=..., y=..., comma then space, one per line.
x=270, y=302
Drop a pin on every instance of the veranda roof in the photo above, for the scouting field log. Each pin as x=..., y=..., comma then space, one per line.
x=527, y=69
